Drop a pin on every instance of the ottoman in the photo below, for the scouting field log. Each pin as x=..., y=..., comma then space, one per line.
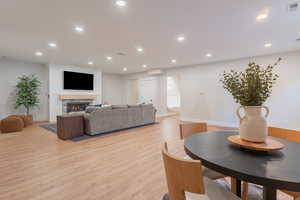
x=27, y=119
x=12, y=124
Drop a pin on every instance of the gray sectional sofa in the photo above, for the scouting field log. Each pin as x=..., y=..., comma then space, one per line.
x=117, y=117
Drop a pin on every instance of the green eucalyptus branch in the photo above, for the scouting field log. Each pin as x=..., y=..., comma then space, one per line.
x=253, y=86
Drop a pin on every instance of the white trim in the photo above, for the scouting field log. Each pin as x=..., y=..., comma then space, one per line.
x=165, y=114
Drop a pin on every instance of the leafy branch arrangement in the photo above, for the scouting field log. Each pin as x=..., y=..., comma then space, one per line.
x=251, y=87
x=28, y=89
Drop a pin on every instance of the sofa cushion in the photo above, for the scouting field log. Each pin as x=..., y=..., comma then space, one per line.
x=134, y=106
x=119, y=106
x=147, y=105
x=105, y=108
x=90, y=109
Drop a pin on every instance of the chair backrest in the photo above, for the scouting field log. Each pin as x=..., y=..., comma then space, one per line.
x=182, y=175
x=188, y=129
x=286, y=134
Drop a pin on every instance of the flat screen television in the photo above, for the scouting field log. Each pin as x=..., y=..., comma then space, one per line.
x=78, y=81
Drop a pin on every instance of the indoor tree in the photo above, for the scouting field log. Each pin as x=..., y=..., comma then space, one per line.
x=28, y=89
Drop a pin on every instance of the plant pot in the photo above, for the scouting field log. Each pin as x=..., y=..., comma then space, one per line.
x=253, y=126
x=28, y=120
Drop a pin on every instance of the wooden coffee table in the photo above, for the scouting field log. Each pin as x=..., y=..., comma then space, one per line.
x=70, y=126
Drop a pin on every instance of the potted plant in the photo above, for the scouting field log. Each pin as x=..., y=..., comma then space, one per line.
x=28, y=89
x=251, y=88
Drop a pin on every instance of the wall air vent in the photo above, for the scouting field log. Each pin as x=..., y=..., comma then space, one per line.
x=294, y=7
x=298, y=40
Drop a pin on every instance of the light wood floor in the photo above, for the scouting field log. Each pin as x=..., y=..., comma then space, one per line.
x=35, y=165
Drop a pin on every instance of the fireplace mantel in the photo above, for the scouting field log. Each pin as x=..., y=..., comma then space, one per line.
x=77, y=97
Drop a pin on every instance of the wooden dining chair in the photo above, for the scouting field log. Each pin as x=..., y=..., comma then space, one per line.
x=286, y=134
x=188, y=129
x=185, y=180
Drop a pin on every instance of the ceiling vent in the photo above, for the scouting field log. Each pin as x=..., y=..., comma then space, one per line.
x=294, y=7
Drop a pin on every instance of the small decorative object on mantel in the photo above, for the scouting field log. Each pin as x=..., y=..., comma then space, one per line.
x=251, y=89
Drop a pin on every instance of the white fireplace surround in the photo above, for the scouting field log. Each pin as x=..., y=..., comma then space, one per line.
x=57, y=95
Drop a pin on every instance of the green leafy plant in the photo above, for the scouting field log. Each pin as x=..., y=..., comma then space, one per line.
x=251, y=87
x=28, y=89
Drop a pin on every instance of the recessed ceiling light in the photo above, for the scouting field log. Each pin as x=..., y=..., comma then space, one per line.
x=52, y=44
x=90, y=63
x=79, y=29
x=121, y=3
x=268, y=44
x=38, y=53
x=180, y=38
x=108, y=58
x=144, y=66
x=174, y=61
x=124, y=69
x=262, y=17
x=208, y=55
x=140, y=49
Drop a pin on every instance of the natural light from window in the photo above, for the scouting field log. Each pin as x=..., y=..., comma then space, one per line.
x=173, y=93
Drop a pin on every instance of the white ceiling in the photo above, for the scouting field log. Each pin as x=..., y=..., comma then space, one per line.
x=225, y=28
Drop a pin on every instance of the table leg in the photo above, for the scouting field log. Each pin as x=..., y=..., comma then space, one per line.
x=270, y=193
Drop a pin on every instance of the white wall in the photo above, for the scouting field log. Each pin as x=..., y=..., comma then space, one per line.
x=204, y=99
x=112, y=89
x=56, y=86
x=10, y=70
x=131, y=90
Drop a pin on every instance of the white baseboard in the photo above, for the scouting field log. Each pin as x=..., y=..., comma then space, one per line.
x=211, y=122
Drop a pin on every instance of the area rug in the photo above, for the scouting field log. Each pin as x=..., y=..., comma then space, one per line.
x=53, y=129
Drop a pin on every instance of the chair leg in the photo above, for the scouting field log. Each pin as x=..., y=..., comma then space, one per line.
x=245, y=191
x=233, y=184
x=234, y=189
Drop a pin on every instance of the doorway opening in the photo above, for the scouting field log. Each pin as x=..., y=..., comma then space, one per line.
x=173, y=94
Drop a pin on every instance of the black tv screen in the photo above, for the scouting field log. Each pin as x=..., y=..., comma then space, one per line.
x=78, y=81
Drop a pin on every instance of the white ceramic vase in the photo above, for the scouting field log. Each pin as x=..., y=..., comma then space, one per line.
x=253, y=126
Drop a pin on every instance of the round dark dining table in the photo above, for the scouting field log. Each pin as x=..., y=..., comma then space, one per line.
x=273, y=170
